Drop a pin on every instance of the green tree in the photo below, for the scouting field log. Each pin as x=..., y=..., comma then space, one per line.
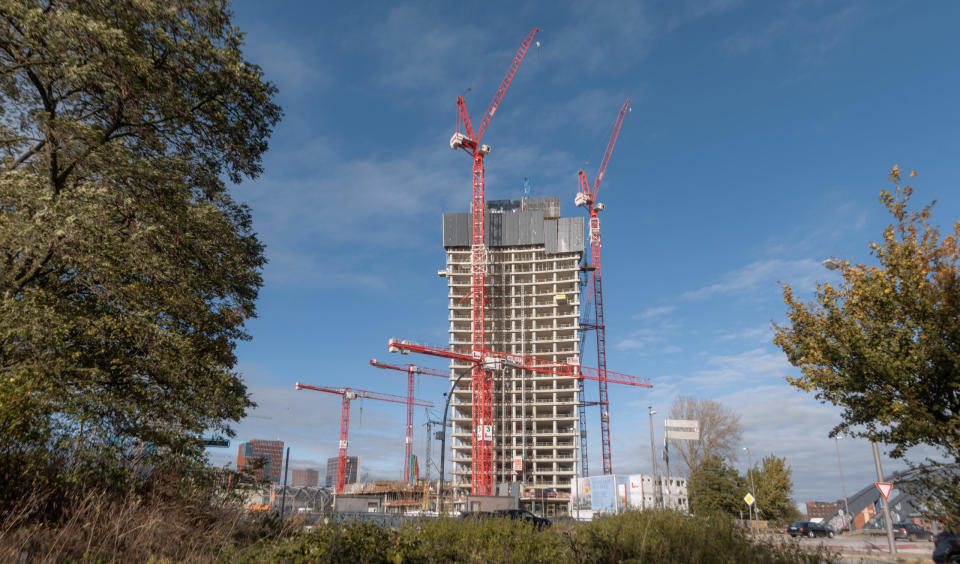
x=774, y=485
x=884, y=345
x=716, y=487
x=126, y=269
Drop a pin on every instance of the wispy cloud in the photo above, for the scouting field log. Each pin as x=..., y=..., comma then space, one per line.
x=610, y=37
x=306, y=268
x=764, y=333
x=652, y=312
x=309, y=422
x=632, y=344
x=802, y=28
x=640, y=339
x=414, y=54
x=763, y=276
x=297, y=70
x=752, y=366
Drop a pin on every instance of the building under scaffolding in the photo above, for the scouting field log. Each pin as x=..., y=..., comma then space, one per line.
x=533, y=310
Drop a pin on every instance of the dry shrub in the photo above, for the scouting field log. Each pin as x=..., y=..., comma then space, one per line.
x=156, y=524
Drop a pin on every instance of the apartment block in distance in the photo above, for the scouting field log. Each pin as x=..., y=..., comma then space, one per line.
x=271, y=452
x=533, y=310
x=353, y=471
x=304, y=477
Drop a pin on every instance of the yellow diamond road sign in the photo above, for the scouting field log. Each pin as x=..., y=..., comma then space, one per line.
x=749, y=498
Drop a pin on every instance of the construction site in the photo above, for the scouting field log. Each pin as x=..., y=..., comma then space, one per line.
x=524, y=294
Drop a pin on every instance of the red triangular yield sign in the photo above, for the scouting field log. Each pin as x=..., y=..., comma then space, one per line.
x=884, y=489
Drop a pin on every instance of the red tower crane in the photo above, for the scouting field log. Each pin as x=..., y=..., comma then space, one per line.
x=348, y=395
x=587, y=197
x=496, y=360
x=465, y=138
x=410, y=369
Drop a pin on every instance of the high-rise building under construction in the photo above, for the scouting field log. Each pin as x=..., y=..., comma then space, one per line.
x=533, y=310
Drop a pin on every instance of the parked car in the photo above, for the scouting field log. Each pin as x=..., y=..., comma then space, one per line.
x=911, y=531
x=946, y=549
x=538, y=522
x=809, y=529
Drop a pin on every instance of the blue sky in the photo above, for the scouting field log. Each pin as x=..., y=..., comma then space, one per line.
x=760, y=136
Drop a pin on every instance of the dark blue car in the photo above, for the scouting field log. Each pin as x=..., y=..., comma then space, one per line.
x=947, y=548
x=809, y=529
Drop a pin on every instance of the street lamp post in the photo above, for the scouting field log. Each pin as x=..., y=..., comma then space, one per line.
x=443, y=441
x=834, y=264
x=843, y=486
x=653, y=459
x=753, y=510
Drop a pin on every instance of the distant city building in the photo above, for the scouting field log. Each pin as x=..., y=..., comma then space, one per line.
x=304, y=477
x=270, y=452
x=353, y=470
x=821, y=509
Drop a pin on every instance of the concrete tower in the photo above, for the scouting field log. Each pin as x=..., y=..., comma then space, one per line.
x=533, y=310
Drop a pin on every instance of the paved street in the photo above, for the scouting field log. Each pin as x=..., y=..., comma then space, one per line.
x=866, y=548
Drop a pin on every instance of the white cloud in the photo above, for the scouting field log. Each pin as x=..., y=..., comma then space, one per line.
x=292, y=268
x=763, y=277
x=809, y=36
x=757, y=365
x=639, y=339
x=777, y=419
x=762, y=334
x=655, y=312
x=610, y=37
x=309, y=422
x=631, y=344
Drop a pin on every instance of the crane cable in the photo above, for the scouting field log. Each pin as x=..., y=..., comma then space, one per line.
x=607, y=132
x=484, y=77
x=493, y=68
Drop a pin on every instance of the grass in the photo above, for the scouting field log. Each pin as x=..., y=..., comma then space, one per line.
x=166, y=525
x=648, y=536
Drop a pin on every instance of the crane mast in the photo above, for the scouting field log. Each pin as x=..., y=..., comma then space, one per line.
x=411, y=370
x=587, y=197
x=481, y=382
x=348, y=395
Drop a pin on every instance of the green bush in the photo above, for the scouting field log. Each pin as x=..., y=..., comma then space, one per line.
x=648, y=536
x=667, y=536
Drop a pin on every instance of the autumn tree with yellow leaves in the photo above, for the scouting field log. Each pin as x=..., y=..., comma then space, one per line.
x=884, y=345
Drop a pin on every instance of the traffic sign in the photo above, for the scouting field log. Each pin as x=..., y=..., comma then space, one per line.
x=884, y=488
x=749, y=498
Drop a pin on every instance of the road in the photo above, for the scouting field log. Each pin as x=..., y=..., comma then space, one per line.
x=865, y=549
